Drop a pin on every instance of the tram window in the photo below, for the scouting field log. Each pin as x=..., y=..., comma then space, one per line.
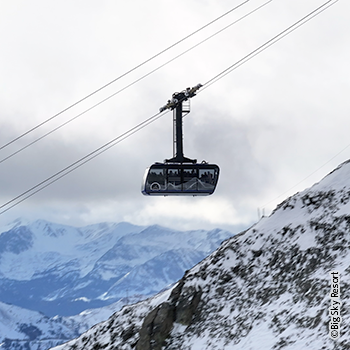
x=196, y=179
x=156, y=180
x=174, y=179
x=206, y=178
x=190, y=179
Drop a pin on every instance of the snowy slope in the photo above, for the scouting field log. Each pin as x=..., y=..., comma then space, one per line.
x=267, y=288
x=31, y=330
x=85, y=274
x=22, y=327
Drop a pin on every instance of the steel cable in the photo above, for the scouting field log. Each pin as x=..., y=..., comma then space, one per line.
x=270, y=42
x=35, y=189
x=134, y=82
x=122, y=76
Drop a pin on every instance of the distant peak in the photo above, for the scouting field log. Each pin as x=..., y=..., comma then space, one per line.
x=19, y=222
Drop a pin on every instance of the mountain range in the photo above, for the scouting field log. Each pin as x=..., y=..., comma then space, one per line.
x=281, y=284
x=57, y=281
x=22, y=329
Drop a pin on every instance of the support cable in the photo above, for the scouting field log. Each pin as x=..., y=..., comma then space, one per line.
x=134, y=82
x=121, y=76
x=77, y=164
x=270, y=42
x=37, y=188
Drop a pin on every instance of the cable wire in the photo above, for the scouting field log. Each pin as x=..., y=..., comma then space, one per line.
x=307, y=177
x=37, y=188
x=77, y=164
x=134, y=82
x=270, y=42
x=122, y=75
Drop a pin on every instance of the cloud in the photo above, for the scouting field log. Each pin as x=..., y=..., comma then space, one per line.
x=268, y=125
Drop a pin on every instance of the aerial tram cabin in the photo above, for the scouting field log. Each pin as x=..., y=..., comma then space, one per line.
x=170, y=179
x=180, y=176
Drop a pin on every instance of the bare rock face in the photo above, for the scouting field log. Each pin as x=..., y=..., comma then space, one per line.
x=156, y=327
x=159, y=322
x=187, y=308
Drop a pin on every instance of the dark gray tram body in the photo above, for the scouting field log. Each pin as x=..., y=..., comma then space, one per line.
x=164, y=179
x=180, y=176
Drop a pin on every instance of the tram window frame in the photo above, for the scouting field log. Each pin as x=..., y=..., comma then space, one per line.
x=156, y=176
x=209, y=182
x=193, y=176
x=174, y=180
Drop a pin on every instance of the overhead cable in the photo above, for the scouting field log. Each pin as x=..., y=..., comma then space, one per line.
x=77, y=164
x=270, y=42
x=35, y=189
x=122, y=76
x=308, y=176
x=134, y=82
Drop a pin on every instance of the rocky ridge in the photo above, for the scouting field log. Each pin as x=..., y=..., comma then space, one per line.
x=268, y=287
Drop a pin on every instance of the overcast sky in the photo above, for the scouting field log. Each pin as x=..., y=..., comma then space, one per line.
x=275, y=125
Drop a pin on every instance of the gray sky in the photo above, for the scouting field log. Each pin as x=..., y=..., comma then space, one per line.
x=275, y=121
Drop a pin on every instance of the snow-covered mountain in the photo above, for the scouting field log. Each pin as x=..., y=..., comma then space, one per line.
x=267, y=288
x=25, y=329
x=22, y=329
x=63, y=270
x=83, y=275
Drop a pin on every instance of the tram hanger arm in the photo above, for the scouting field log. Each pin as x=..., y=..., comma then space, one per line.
x=179, y=97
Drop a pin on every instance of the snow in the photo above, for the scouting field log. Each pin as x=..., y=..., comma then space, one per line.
x=12, y=317
x=58, y=245
x=161, y=297
x=267, y=288
x=86, y=300
x=261, y=337
x=284, y=255
x=306, y=241
x=85, y=258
